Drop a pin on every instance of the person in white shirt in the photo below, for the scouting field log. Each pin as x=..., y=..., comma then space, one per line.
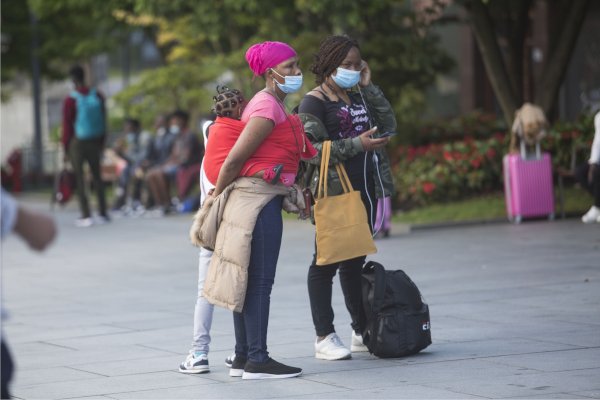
x=588, y=174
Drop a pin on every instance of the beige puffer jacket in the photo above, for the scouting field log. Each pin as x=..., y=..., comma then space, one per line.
x=227, y=276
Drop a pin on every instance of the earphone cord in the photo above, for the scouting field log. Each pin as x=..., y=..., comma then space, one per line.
x=376, y=164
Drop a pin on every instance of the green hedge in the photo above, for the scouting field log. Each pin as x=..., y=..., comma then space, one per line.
x=453, y=169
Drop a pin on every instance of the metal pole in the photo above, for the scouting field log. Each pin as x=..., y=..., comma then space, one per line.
x=37, y=164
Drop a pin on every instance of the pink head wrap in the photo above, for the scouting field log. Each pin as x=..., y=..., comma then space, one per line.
x=262, y=56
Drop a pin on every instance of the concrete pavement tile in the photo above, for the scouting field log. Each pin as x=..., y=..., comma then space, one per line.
x=572, y=334
x=546, y=383
x=34, y=348
x=236, y=389
x=32, y=377
x=567, y=360
x=395, y=392
x=73, y=358
x=421, y=374
x=108, y=386
x=126, y=338
x=360, y=361
x=591, y=394
x=133, y=366
x=554, y=396
x=457, y=350
x=58, y=333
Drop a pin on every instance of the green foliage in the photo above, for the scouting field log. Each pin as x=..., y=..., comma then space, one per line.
x=68, y=31
x=486, y=207
x=203, y=42
x=213, y=37
x=447, y=169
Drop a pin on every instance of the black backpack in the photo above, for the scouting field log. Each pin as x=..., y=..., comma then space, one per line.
x=397, y=320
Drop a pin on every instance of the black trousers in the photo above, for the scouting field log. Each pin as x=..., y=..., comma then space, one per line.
x=581, y=174
x=320, y=280
x=90, y=151
x=7, y=370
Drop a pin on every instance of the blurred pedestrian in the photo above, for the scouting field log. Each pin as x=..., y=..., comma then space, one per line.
x=588, y=174
x=333, y=111
x=184, y=150
x=132, y=147
x=38, y=231
x=83, y=138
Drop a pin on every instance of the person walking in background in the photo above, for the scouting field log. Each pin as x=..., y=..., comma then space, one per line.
x=331, y=111
x=133, y=148
x=588, y=175
x=83, y=138
x=270, y=136
x=38, y=231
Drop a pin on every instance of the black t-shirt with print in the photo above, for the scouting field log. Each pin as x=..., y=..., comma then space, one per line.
x=344, y=121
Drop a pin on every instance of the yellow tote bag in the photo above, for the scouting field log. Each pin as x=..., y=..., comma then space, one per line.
x=341, y=221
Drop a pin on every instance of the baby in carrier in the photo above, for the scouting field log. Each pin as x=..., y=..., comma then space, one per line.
x=230, y=103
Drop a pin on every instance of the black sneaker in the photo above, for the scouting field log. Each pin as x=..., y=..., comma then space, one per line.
x=237, y=366
x=269, y=370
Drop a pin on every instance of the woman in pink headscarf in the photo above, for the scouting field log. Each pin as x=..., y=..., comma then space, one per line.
x=269, y=136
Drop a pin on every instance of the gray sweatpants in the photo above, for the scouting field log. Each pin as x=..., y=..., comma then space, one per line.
x=203, y=312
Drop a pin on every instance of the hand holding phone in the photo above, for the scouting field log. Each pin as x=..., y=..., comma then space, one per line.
x=387, y=134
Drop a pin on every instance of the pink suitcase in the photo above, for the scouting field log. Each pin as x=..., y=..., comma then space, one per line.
x=528, y=186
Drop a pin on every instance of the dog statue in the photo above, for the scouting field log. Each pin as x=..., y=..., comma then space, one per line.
x=529, y=126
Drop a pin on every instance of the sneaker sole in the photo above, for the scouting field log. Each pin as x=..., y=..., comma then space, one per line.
x=194, y=371
x=321, y=356
x=257, y=375
x=236, y=373
x=358, y=349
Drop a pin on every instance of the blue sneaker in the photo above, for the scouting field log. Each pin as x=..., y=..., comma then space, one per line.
x=195, y=363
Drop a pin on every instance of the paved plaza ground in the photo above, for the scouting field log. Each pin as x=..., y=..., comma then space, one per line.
x=106, y=313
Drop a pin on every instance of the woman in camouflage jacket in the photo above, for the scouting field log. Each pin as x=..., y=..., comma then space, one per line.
x=333, y=111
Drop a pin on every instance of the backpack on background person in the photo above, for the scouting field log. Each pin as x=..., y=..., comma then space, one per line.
x=89, y=120
x=397, y=319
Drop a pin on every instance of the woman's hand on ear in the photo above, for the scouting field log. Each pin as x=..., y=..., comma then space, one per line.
x=365, y=74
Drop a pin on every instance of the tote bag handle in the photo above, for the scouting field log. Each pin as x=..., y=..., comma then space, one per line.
x=339, y=167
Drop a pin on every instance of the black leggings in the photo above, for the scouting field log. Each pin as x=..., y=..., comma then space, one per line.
x=581, y=174
x=320, y=282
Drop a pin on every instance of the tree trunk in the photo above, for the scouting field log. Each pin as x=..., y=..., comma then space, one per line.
x=483, y=28
x=517, y=57
x=558, y=60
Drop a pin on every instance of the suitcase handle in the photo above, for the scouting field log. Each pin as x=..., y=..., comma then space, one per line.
x=538, y=152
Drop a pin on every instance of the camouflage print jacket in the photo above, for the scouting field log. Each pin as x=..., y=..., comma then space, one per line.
x=381, y=111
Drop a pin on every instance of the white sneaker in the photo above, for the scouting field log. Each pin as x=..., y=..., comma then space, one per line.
x=195, y=363
x=331, y=348
x=84, y=222
x=357, y=345
x=591, y=216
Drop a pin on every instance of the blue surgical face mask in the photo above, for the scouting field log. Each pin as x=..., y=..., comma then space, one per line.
x=292, y=83
x=346, y=78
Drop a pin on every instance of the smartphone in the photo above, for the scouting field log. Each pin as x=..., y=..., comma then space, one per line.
x=387, y=134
